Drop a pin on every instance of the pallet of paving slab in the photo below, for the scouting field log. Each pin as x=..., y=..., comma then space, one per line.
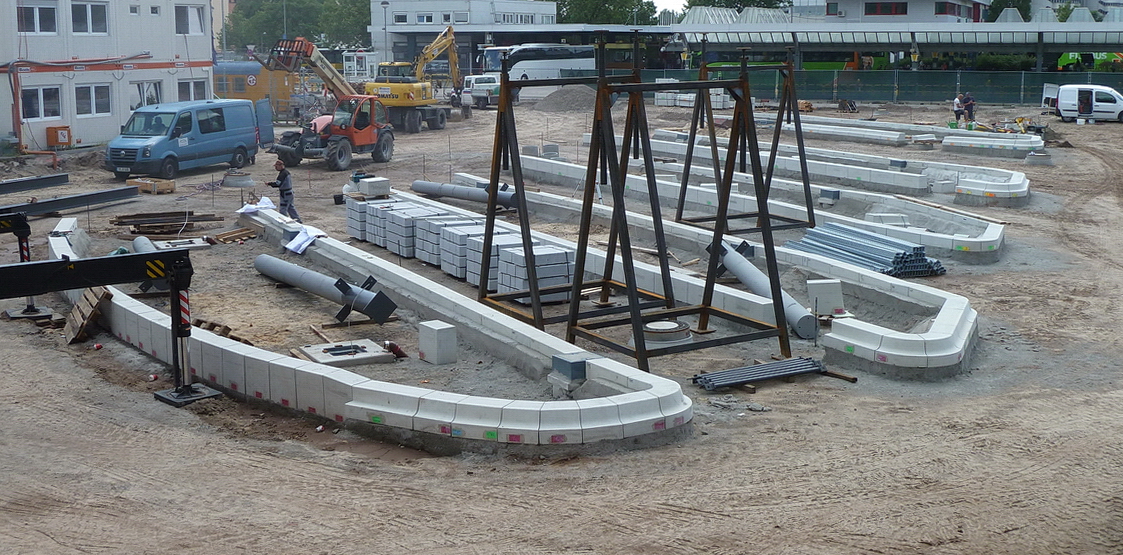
x=219, y=329
x=84, y=312
x=236, y=235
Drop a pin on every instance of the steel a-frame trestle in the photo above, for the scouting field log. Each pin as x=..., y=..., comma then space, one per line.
x=604, y=154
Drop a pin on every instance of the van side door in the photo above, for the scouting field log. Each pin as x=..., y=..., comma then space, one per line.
x=214, y=142
x=184, y=139
x=1105, y=105
x=264, y=112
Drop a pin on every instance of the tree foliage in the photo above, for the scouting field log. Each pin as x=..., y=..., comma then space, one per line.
x=1024, y=8
x=739, y=4
x=626, y=12
x=328, y=23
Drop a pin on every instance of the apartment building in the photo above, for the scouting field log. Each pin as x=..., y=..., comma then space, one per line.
x=77, y=68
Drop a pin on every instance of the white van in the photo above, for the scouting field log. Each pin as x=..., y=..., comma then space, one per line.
x=1095, y=102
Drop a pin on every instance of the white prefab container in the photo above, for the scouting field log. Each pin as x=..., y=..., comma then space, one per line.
x=1089, y=102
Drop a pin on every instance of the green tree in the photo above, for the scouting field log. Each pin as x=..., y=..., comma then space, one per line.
x=262, y=22
x=628, y=12
x=739, y=4
x=344, y=23
x=1064, y=11
x=997, y=6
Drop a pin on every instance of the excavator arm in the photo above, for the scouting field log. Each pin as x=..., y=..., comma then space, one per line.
x=290, y=54
x=444, y=42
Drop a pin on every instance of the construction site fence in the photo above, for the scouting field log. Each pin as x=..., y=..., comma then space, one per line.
x=988, y=87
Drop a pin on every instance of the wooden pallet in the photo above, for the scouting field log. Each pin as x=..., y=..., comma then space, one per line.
x=236, y=235
x=84, y=312
x=153, y=186
x=219, y=329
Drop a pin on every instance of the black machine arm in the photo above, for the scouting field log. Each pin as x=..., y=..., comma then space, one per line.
x=36, y=278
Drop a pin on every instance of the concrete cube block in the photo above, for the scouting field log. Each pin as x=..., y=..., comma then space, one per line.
x=436, y=342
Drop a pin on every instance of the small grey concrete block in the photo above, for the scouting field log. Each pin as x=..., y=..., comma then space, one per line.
x=572, y=365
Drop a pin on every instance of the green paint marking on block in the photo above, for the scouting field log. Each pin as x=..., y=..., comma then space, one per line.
x=491, y=434
x=850, y=349
x=376, y=418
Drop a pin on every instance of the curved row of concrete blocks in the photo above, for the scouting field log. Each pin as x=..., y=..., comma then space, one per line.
x=942, y=350
x=1005, y=187
x=649, y=410
x=971, y=184
x=982, y=244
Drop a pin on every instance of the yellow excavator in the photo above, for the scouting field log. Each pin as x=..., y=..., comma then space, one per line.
x=408, y=95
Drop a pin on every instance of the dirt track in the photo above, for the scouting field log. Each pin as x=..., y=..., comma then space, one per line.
x=1019, y=456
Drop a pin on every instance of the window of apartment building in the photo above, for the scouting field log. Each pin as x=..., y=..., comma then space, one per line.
x=193, y=90
x=91, y=100
x=40, y=103
x=134, y=9
x=188, y=20
x=887, y=8
x=401, y=19
x=89, y=18
x=154, y=10
x=508, y=18
x=426, y=17
x=446, y=18
x=950, y=8
x=548, y=19
x=832, y=8
x=526, y=19
x=460, y=17
x=36, y=18
x=144, y=93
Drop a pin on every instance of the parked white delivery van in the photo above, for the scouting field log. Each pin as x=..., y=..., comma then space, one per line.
x=1096, y=102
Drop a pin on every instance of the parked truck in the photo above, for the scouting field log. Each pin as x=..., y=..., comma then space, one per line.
x=359, y=123
x=409, y=96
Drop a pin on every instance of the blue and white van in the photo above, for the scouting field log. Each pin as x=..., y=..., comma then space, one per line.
x=161, y=139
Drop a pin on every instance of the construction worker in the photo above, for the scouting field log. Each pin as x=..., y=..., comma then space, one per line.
x=284, y=184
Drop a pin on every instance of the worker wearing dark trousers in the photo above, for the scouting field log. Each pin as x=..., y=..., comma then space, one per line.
x=284, y=184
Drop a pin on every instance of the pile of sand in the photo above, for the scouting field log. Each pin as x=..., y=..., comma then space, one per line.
x=570, y=98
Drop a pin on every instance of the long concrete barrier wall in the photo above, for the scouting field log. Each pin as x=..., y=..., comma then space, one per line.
x=972, y=185
x=943, y=350
x=985, y=246
x=653, y=410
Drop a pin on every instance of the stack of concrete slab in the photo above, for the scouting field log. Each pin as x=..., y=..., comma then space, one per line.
x=356, y=218
x=552, y=265
x=454, y=248
x=376, y=219
x=427, y=244
x=400, y=230
x=498, y=243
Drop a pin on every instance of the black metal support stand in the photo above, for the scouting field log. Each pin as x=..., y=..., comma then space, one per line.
x=184, y=393
x=643, y=306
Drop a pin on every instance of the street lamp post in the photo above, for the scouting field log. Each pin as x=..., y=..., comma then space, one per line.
x=387, y=52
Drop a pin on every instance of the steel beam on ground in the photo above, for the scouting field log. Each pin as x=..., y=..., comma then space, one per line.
x=73, y=201
x=29, y=183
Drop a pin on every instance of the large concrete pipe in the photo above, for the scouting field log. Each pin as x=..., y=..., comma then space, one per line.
x=377, y=306
x=505, y=199
x=803, y=323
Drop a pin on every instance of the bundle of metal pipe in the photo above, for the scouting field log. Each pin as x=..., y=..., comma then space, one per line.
x=757, y=372
x=859, y=247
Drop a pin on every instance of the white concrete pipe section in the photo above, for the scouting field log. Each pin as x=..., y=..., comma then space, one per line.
x=505, y=199
x=372, y=304
x=803, y=323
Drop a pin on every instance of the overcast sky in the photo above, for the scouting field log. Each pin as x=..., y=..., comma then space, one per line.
x=673, y=5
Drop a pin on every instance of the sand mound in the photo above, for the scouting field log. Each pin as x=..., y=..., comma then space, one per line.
x=570, y=98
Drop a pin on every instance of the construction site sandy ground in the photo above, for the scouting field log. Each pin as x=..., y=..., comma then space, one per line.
x=1019, y=455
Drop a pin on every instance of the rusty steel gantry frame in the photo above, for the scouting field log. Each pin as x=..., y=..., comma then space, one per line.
x=644, y=306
